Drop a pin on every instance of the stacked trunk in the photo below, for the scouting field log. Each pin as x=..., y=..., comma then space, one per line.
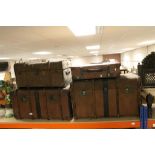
x=49, y=74
x=96, y=71
x=43, y=91
x=42, y=104
x=99, y=91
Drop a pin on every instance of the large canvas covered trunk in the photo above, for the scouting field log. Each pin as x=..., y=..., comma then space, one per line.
x=42, y=104
x=50, y=74
x=129, y=95
x=96, y=71
x=94, y=98
x=101, y=98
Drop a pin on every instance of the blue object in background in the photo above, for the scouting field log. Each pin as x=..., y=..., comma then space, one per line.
x=143, y=117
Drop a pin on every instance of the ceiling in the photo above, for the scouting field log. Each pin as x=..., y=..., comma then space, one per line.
x=21, y=42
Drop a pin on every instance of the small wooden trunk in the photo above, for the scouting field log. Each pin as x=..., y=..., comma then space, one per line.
x=96, y=71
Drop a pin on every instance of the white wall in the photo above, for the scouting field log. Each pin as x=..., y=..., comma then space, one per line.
x=130, y=59
x=86, y=60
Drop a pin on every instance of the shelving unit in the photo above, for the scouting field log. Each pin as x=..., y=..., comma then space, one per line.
x=104, y=123
x=151, y=123
x=121, y=123
x=80, y=124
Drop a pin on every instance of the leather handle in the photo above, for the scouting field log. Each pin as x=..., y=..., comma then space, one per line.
x=94, y=70
x=24, y=99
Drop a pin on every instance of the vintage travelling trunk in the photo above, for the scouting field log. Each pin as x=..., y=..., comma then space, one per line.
x=25, y=105
x=50, y=74
x=94, y=98
x=129, y=87
x=96, y=71
x=42, y=104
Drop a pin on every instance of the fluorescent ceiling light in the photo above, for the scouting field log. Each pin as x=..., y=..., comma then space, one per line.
x=33, y=58
x=147, y=42
x=96, y=54
x=127, y=49
x=71, y=56
x=93, y=47
x=4, y=58
x=42, y=53
x=83, y=30
x=93, y=52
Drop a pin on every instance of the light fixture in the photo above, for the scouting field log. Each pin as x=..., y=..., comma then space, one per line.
x=147, y=42
x=42, y=53
x=83, y=30
x=4, y=58
x=33, y=58
x=127, y=49
x=93, y=47
x=94, y=52
x=71, y=56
